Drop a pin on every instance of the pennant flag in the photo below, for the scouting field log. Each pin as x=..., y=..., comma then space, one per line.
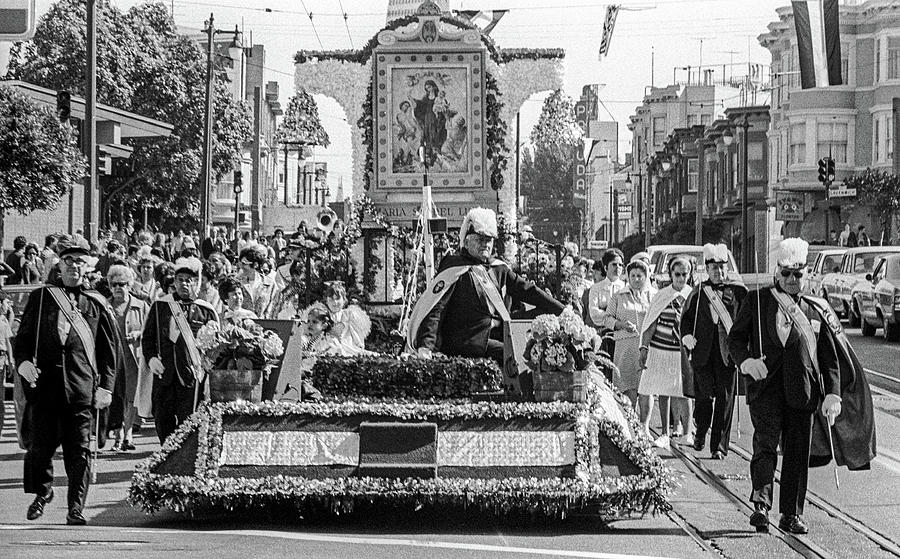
x=611, y=12
x=485, y=19
x=818, y=42
x=588, y=147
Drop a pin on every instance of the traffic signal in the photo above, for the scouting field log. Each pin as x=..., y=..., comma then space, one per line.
x=823, y=170
x=830, y=172
x=63, y=106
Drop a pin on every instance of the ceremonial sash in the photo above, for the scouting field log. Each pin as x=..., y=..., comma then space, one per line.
x=78, y=323
x=717, y=306
x=796, y=316
x=184, y=329
x=491, y=292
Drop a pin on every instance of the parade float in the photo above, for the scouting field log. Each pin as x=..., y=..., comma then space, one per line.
x=398, y=432
x=402, y=433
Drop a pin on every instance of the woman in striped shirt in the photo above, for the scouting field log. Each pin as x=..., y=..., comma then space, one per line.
x=660, y=350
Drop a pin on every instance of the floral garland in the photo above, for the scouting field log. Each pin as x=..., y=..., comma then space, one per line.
x=551, y=497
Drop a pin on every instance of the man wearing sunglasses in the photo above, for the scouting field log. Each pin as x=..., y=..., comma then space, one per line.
x=794, y=352
x=66, y=348
x=705, y=324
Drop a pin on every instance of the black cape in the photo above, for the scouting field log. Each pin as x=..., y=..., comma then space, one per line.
x=854, y=429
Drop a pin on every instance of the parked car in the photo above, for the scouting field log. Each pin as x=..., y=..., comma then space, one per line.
x=825, y=260
x=18, y=295
x=838, y=287
x=879, y=299
x=660, y=255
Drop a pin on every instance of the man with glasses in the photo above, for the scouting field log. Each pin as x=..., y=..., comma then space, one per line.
x=170, y=348
x=787, y=347
x=464, y=307
x=66, y=348
x=705, y=324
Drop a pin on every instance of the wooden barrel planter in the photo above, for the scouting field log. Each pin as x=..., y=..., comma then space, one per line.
x=229, y=385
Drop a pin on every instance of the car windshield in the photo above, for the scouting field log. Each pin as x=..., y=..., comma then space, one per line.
x=696, y=259
x=865, y=263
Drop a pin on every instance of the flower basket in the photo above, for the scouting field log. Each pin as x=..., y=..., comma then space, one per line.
x=231, y=385
x=553, y=386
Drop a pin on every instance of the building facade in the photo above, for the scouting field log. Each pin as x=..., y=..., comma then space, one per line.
x=853, y=122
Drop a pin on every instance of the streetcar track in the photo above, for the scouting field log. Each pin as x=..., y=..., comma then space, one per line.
x=802, y=545
x=833, y=510
x=799, y=543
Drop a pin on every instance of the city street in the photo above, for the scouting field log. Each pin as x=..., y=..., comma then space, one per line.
x=861, y=519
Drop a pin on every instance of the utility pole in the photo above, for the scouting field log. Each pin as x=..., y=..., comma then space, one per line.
x=701, y=195
x=89, y=130
x=206, y=171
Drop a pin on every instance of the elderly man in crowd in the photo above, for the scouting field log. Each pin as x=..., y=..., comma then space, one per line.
x=170, y=349
x=66, y=348
x=463, y=310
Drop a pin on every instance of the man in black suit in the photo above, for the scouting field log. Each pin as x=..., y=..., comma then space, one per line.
x=706, y=321
x=66, y=348
x=171, y=351
x=465, y=306
x=783, y=344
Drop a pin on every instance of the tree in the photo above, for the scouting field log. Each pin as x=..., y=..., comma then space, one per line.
x=880, y=191
x=549, y=171
x=39, y=161
x=301, y=122
x=146, y=67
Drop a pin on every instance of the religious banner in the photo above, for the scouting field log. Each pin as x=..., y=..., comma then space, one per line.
x=433, y=101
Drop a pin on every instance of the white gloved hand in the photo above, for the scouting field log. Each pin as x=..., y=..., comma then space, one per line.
x=831, y=407
x=156, y=366
x=102, y=398
x=755, y=368
x=424, y=353
x=29, y=372
x=689, y=342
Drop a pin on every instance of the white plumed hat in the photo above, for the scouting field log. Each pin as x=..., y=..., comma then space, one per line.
x=479, y=220
x=792, y=253
x=190, y=265
x=715, y=253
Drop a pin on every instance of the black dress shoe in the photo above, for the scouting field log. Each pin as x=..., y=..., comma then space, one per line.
x=36, y=508
x=718, y=455
x=760, y=518
x=793, y=523
x=699, y=443
x=75, y=518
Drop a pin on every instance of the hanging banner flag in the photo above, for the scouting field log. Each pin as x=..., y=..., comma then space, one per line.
x=818, y=42
x=484, y=19
x=588, y=147
x=611, y=12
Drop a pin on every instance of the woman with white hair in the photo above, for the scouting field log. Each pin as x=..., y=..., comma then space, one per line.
x=130, y=313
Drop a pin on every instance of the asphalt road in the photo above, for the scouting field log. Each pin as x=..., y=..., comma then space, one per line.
x=116, y=528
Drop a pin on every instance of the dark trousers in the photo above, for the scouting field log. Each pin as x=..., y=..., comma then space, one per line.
x=773, y=421
x=714, y=389
x=172, y=404
x=52, y=424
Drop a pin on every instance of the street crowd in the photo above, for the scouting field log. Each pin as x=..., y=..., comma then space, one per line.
x=111, y=326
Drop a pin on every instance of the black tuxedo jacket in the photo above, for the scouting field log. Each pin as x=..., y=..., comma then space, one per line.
x=65, y=368
x=174, y=356
x=791, y=370
x=706, y=332
x=460, y=323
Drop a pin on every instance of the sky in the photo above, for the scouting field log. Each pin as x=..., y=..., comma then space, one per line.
x=673, y=33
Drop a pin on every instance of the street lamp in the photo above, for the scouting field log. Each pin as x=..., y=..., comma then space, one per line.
x=238, y=187
x=728, y=139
